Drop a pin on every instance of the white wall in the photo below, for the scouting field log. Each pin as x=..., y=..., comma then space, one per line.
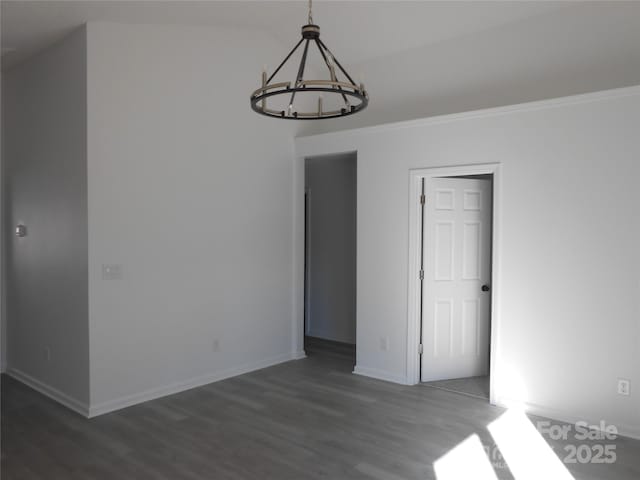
x=582, y=48
x=568, y=291
x=190, y=192
x=331, y=187
x=44, y=133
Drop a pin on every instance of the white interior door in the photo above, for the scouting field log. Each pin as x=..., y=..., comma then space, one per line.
x=457, y=274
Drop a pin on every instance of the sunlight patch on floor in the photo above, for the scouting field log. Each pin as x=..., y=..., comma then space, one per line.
x=466, y=460
x=526, y=452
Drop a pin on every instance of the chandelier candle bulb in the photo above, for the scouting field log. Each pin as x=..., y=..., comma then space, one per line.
x=263, y=104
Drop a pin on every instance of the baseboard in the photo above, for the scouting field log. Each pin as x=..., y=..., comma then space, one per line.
x=328, y=341
x=565, y=417
x=152, y=394
x=380, y=375
x=53, y=393
x=299, y=355
x=328, y=338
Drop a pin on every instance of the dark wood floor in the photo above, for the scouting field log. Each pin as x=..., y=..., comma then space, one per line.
x=314, y=346
x=473, y=386
x=307, y=419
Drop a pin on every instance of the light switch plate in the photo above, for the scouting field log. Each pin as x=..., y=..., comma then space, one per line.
x=623, y=386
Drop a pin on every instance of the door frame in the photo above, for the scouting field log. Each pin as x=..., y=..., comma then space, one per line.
x=307, y=262
x=415, y=240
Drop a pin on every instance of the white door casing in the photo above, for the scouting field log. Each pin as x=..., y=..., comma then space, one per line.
x=457, y=263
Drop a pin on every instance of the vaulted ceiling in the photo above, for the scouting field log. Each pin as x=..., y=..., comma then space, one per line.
x=360, y=30
x=417, y=58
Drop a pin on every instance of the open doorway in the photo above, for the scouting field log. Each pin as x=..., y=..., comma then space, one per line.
x=454, y=231
x=330, y=256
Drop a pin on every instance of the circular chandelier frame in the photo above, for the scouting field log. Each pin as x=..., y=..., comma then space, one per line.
x=347, y=89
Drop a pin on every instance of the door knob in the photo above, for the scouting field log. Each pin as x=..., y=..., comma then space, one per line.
x=485, y=288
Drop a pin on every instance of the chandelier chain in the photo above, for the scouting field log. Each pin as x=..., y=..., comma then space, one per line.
x=310, y=13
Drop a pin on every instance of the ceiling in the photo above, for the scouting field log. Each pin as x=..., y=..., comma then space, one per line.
x=359, y=30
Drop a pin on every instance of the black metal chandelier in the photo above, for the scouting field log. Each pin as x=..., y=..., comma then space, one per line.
x=310, y=99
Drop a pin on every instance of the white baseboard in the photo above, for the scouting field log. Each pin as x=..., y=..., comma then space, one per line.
x=151, y=394
x=562, y=416
x=380, y=375
x=53, y=393
x=299, y=355
x=329, y=337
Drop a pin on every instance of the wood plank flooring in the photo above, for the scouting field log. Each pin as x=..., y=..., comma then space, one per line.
x=473, y=386
x=306, y=419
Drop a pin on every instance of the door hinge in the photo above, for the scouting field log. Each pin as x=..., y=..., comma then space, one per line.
x=421, y=274
x=423, y=199
x=420, y=349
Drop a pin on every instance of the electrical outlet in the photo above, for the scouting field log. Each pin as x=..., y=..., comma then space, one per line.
x=215, y=346
x=47, y=354
x=112, y=272
x=623, y=386
x=384, y=344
